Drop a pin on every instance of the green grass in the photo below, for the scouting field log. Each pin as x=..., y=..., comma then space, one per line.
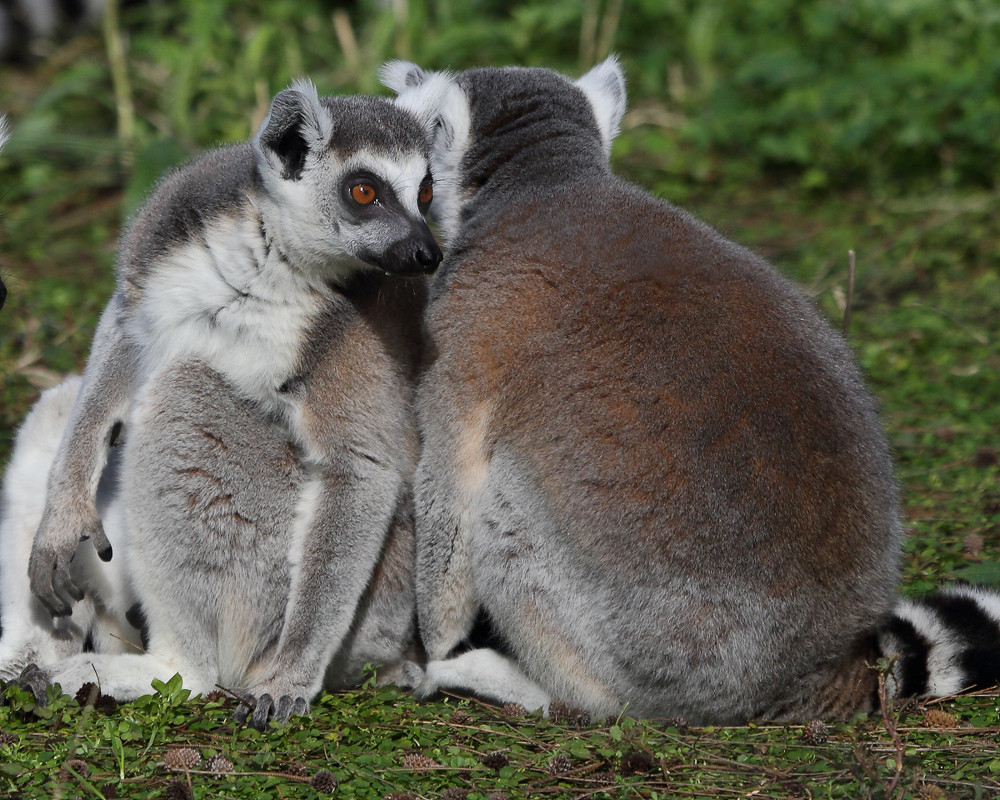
x=925, y=326
x=379, y=742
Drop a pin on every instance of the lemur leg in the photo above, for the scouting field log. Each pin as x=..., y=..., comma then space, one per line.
x=71, y=514
x=529, y=587
x=446, y=577
x=384, y=631
x=448, y=488
x=209, y=487
x=336, y=554
x=30, y=633
x=361, y=441
x=484, y=673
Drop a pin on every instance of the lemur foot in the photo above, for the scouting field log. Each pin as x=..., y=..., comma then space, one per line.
x=259, y=712
x=35, y=680
x=411, y=675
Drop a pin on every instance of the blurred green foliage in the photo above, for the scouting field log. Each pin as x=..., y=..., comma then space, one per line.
x=841, y=92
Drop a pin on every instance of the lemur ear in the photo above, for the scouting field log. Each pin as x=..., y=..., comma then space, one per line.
x=295, y=123
x=434, y=98
x=399, y=75
x=604, y=86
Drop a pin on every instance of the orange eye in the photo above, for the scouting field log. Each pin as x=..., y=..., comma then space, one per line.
x=426, y=194
x=363, y=194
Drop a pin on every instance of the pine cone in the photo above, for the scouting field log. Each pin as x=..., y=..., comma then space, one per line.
x=563, y=714
x=182, y=758
x=939, y=718
x=324, y=781
x=815, y=731
x=178, y=790
x=931, y=791
x=455, y=793
x=297, y=769
x=498, y=795
x=496, y=760
x=75, y=764
x=512, y=710
x=637, y=763
x=559, y=765
x=418, y=762
x=461, y=718
x=106, y=704
x=90, y=695
x=9, y=738
x=87, y=694
x=219, y=765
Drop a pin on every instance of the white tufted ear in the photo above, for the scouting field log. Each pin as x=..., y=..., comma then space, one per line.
x=427, y=95
x=604, y=86
x=295, y=124
x=437, y=100
x=399, y=75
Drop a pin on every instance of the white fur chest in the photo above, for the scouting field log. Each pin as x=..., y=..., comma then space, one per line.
x=231, y=301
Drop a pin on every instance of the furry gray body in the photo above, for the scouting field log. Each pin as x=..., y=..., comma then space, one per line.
x=657, y=471
x=250, y=290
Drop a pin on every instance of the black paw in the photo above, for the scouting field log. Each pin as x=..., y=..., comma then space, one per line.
x=258, y=712
x=52, y=583
x=36, y=681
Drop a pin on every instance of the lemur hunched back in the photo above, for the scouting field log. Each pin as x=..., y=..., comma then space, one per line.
x=258, y=356
x=646, y=458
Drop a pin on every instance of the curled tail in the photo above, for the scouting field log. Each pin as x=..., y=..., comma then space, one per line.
x=945, y=643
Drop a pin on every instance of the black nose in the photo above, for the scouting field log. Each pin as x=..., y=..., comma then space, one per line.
x=428, y=255
x=415, y=254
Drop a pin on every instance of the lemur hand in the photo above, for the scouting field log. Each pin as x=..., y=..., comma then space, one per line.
x=62, y=528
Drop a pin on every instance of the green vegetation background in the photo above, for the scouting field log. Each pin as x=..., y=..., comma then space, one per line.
x=803, y=129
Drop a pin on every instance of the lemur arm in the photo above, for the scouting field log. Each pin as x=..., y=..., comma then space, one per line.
x=70, y=508
x=341, y=545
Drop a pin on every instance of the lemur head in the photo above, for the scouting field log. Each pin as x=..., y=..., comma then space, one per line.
x=346, y=180
x=520, y=105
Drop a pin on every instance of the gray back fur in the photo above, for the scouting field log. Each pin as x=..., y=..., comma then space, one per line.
x=647, y=458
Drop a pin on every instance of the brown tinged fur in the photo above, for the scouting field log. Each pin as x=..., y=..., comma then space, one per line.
x=646, y=456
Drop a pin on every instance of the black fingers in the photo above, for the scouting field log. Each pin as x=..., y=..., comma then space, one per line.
x=52, y=584
x=262, y=713
x=97, y=535
x=258, y=712
x=289, y=706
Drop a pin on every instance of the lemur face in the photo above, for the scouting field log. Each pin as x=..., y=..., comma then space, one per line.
x=385, y=201
x=350, y=183
x=445, y=103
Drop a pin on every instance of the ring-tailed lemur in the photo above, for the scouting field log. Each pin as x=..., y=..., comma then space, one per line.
x=4, y=135
x=30, y=633
x=26, y=23
x=269, y=274
x=657, y=472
